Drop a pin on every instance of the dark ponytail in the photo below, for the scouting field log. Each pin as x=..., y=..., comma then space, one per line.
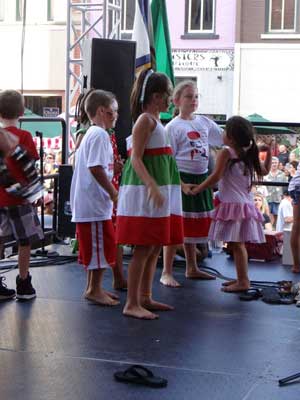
x=242, y=133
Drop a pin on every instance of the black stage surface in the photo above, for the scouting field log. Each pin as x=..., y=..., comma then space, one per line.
x=213, y=346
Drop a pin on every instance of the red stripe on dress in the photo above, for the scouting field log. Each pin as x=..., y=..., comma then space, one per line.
x=84, y=237
x=97, y=243
x=149, y=231
x=155, y=152
x=194, y=228
x=109, y=242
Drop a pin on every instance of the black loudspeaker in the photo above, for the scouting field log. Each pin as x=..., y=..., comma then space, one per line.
x=65, y=227
x=113, y=69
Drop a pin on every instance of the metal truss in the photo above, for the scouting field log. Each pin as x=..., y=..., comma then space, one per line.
x=86, y=19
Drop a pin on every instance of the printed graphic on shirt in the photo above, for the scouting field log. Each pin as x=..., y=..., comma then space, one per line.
x=197, y=147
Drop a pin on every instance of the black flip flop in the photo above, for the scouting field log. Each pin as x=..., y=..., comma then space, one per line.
x=272, y=296
x=251, y=294
x=140, y=375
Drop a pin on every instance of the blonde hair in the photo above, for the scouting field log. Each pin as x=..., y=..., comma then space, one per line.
x=179, y=88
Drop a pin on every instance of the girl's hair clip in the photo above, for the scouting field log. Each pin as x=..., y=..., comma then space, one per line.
x=147, y=76
x=246, y=148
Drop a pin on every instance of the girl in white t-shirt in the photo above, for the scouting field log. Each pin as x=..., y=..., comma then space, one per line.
x=190, y=137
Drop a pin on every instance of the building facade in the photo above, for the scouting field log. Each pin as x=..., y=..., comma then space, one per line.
x=267, y=59
x=202, y=38
x=44, y=48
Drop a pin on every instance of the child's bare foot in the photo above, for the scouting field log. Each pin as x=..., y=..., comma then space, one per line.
x=195, y=273
x=236, y=287
x=153, y=305
x=296, y=269
x=168, y=280
x=139, y=312
x=229, y=283
x=120, y=284
x=112, y=295
x=102, y=298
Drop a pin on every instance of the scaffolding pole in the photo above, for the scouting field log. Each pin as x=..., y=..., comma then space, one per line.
x=86, y=19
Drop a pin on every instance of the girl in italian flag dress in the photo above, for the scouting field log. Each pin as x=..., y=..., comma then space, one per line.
x=149, y=211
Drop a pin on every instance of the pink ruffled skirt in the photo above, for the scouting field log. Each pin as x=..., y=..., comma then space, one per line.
x=237, y=222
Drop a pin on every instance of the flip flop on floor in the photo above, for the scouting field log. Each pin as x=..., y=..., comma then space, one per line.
x=272, y=296
x=251, y=294
x=140, y=375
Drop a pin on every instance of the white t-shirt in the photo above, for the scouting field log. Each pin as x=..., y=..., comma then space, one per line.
x=190, y=140
x=89, y=201
x=295, y=181
x=285, y=210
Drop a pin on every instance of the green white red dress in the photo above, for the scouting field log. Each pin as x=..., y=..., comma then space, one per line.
x=138, y=222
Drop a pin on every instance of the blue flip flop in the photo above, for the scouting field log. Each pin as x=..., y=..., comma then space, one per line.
x=140, y=375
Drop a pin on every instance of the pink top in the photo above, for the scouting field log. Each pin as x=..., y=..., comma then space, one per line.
x=234, y=186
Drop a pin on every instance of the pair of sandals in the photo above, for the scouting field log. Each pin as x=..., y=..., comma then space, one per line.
x=140, y=375
x=270, y=295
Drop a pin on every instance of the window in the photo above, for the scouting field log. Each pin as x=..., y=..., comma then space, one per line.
x=200, y=19
x=282, y=15
x=19, y=10
x=128, y=11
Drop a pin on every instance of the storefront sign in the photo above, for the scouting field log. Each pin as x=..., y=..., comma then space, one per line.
x=195, y=60
x=50, y=112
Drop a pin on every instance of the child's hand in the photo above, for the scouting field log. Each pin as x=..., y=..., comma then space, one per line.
x=118, y=166
x=114, y=197
x=196, y=189
x=155, y=196
x=187, y=188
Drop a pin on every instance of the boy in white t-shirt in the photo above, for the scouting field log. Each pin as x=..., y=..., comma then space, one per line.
x=285, y=213
x=92, y=196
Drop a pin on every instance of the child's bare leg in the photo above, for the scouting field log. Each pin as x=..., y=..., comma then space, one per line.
x=167, y=278
x=24, y=260
x=192, y=270
x=95, y=292
x=295, y=239
x=133, y=307
x=119, y=282
x=147, y=281
x=89, y=288
x=241, y=263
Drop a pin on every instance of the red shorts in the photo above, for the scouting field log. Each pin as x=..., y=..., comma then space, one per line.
x=97, y=244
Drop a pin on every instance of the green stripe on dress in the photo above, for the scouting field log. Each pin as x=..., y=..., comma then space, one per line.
x=202, y=201
x=162, y=168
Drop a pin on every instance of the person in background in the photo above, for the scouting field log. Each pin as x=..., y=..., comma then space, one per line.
x=262, y=205
x=292, y=169
x=294, y=191
x=274, y=192
x=283, y=154
x=285, y=213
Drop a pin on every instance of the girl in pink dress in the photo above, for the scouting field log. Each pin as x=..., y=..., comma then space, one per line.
x=236, y=220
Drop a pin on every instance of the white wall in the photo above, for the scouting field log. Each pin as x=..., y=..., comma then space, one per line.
x=44, y=51
x=268, y=81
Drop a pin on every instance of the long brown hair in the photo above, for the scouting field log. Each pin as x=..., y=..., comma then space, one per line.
x=242, y=133
x=156, y=83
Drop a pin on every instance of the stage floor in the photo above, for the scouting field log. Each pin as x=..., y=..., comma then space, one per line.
x=213, y=346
